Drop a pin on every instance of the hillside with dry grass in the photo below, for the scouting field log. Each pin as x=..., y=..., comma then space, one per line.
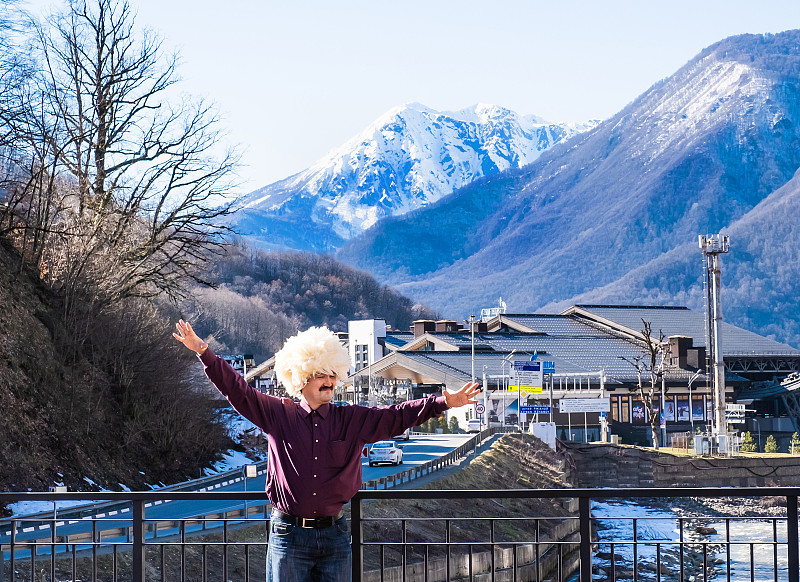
x=104, y=403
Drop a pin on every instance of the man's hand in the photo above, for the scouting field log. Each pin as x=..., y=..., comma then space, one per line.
x=188, y=338
x=464, y=396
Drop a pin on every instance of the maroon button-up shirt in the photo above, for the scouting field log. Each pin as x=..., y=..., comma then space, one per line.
x=314, y=462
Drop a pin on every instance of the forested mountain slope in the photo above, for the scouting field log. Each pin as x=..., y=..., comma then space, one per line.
x=260, y=298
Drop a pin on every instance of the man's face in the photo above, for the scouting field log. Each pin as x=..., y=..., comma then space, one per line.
x=319, y=389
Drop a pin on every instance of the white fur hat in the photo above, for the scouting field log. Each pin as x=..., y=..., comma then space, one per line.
x=314, y=351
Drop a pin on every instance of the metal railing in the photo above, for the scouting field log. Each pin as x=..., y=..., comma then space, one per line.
x=695, y=552
x=410, y=535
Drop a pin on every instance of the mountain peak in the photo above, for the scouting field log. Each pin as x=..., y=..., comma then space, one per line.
x=408, y=158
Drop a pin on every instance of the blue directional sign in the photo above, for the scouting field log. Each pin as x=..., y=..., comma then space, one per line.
x=527, y=366
x=548, y=367
x=534, y=409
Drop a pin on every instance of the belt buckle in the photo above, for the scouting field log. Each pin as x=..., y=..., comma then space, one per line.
x=305, y=519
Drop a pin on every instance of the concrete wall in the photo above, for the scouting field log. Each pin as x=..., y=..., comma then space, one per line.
x=623, y=466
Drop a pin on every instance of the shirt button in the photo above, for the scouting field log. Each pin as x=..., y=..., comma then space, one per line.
x=313, y=494
x=314, y=475
x=315, y=458
x=316, y=441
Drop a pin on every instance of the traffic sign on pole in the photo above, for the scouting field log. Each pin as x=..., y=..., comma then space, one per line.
x=534, y=409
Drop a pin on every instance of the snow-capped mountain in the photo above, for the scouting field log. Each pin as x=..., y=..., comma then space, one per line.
x=409, y=158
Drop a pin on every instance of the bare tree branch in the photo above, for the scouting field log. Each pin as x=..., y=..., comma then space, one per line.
x=650, y=367
x=114, y=181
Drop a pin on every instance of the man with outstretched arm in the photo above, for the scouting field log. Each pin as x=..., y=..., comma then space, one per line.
x=314, y=465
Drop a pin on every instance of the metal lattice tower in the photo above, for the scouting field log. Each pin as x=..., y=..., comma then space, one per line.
x=713, y=246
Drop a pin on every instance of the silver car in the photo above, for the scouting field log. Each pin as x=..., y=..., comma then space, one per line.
x=385, y=452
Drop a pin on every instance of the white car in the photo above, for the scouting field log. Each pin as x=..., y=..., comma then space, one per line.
x=475, y=425
x=385, y=452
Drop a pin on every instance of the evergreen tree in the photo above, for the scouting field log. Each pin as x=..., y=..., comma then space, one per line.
x=795, y=442
x=454, y=428
x=771, y=445
x=748, y=445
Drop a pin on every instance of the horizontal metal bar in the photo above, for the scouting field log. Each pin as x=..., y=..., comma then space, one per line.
x=709, y=492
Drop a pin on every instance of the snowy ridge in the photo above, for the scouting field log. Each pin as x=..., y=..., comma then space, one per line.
x=408, y=158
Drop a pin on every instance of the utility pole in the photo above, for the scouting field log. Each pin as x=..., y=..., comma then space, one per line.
x=712, y=246
x=472, y=329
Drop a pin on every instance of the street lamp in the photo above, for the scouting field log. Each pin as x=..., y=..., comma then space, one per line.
x=505, y=360
x=505, y=387
x=691, y=410
x=472, y=330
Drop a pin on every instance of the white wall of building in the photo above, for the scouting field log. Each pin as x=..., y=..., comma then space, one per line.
x=363, y=338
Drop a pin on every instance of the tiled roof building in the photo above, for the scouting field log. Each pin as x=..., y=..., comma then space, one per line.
x=586, y=342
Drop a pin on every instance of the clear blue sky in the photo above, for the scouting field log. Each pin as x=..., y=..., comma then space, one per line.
x=296, y=78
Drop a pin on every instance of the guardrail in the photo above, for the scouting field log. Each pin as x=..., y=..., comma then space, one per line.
x=110, y=507
x=498, y=542
x=431, y=466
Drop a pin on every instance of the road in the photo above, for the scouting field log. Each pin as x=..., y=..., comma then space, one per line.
x=418, y=450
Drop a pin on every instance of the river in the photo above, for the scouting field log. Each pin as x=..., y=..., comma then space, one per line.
x=756, y=548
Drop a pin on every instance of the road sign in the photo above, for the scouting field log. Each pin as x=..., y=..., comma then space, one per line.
x=527, y=377
x=527, y=366
x=534, y=409
x=480, y=409
x=734, y=413
x=584, y=405
x=548, y=367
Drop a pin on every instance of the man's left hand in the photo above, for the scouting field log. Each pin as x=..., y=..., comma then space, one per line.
x=464, y=396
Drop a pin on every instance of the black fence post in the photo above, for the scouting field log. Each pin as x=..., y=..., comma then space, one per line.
x=357, y=538
x=137, y=553
x=586, y=539
x=792, y=539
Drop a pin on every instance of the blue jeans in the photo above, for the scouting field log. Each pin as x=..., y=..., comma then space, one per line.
x=297, y=554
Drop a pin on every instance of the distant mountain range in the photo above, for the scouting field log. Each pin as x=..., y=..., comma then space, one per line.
x=409, y=158
x=612, y=215
x=458, y=209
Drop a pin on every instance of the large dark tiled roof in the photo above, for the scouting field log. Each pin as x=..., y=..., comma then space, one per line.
x=682, y=321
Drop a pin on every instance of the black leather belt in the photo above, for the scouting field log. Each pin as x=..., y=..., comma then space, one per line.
x=307, y=522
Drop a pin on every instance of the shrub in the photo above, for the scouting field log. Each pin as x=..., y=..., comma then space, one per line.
x=748, y=446
x=771, y=446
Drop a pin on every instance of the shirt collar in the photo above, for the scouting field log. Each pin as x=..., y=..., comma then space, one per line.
x=322, y=410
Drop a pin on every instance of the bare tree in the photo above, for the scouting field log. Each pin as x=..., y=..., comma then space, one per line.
x=650, y=366
x=131, y=180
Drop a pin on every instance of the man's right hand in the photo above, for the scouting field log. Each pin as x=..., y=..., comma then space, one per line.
x=188, y=338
